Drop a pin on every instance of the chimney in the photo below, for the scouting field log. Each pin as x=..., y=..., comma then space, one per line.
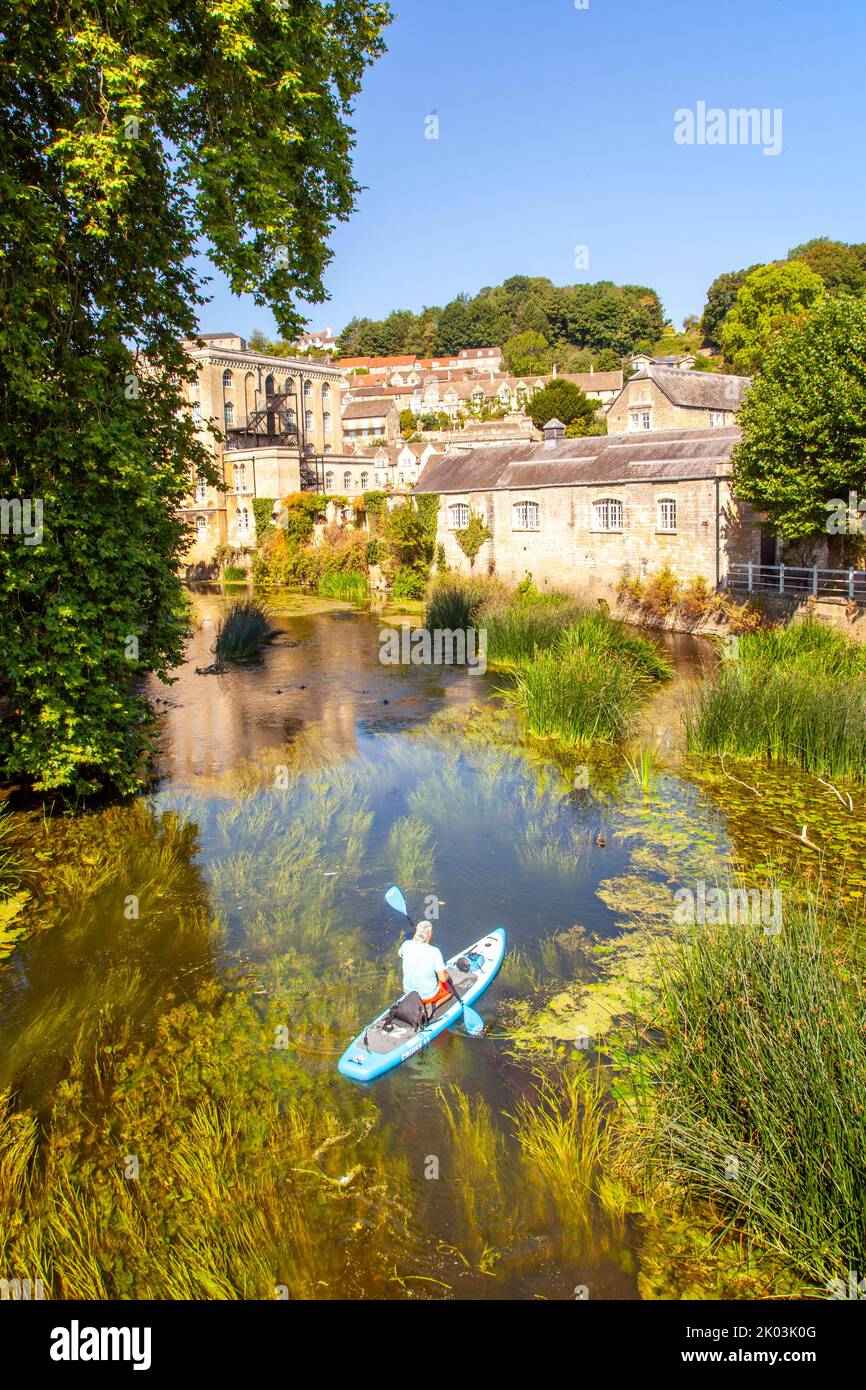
x=554, y=432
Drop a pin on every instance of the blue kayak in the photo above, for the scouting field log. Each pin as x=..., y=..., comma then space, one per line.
x=377, y=1050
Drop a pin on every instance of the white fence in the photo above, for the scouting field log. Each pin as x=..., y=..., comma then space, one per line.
x=798, y=581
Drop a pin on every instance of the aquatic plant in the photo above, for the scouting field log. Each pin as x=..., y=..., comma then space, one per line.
x=411, y=850
x=243, y=629
x=348, y=585
x=765, y=712
x=759, y=1105
x=643, y=765
x=596, y=636
x=453, y=601
x=576, y=702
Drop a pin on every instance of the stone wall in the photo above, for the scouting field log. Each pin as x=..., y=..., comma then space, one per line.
x=645, y=394
x=567, y=552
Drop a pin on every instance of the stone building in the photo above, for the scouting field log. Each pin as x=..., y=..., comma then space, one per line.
x=666, y=398
x=578, y=514
x=278, y=419
x=367, y=419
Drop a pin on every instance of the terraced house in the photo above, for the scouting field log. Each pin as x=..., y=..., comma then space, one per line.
x=581, y=513
x=670, y=398
x=270, y=422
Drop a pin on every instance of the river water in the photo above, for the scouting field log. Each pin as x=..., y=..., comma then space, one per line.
x=206, y=952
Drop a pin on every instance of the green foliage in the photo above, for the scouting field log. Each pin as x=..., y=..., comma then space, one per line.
x=765, y=1051
x=563, y=400
x=233, y=574
x=375, y=505
x=600, y=318
x=839, y=265
x=263, y=510
x=721, y=298
x=408, y=582
x=408, y=423
x=527, y=354
x=242, y=631
x=348, y=585
x=131, y=139
x=453, y=603
x=575, y=700
x=473, y=536
x=770, y=298
x=793, y=696
x=804, y=421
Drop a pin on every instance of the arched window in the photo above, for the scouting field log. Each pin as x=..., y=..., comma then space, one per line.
x=289, y=386
x=196, y=414
x=458, y=517
x=526, y=516
x=229, y=413
x=326, y=392
x=243, y=518
x=347, y=481
x=308, y=419
x=201, y=492
x=365, y=478
x=228, y=379
x=667, y=514
x=329, y=481
x=240, y=475
x=269, y=387
x=326, y=422
x=329, y=449
x=201, y=527
x=293, y=419
x=607, y=514
x=308, y=388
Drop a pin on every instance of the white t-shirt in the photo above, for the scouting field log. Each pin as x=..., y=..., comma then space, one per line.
x=421, y=961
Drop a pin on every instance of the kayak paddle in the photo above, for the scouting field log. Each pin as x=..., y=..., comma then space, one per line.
x=473, y=1021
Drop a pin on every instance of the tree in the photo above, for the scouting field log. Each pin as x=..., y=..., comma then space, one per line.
x=804, y=421
x=837, y=264
x=408, y=422
x=769, y=298
x=527, y=354
x=563, y=400
x=721, y=298
x=133, y=133
x=259, y=341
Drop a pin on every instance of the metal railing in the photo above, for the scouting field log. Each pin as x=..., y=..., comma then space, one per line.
x=798, y=581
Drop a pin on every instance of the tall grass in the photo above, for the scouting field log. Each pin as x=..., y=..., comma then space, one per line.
x=242, y=631
x=760, y=1106
x=348, y=585
x=575, y=701
x=453, y=602
x=795, y=695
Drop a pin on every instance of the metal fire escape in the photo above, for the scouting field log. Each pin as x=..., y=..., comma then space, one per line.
x=276, y=426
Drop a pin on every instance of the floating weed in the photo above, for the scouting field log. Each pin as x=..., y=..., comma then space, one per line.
x=412, y=851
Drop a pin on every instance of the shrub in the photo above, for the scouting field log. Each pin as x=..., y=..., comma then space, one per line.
x=242, y=631
x=347, y=585
x=233, y=574
x=473, y=536
x=661, y=592
x=408, y=584
x=453, y=602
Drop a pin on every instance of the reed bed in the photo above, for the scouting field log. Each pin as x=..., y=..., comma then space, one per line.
x=574, y=702
x=795, y=695
x=243, y=630
x=759, y=1106
x=347, y=585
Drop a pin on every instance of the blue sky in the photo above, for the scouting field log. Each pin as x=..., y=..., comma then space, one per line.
x=556, y=131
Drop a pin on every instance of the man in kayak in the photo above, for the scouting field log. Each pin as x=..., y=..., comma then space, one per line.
x=424, y=969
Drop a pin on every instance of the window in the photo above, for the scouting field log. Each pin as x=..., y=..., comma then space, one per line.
x=365, y=479
x=329, y=448
x=458, y=517
x=228, y=379
x=667, y=514
x=326, y=392
x=717, y=419
x=308, y=419
x=196, y=414
x=526, y=516
x=329, y=481
x=326, y=422
x=607, y=514
x=229, y=413
x=240, y=474
x=201, y=493
x=243, y=518
x=292, y=417
x=308, y=388
x=640, y=420
x=201, y=527
x=347, y=482
x=269, y=387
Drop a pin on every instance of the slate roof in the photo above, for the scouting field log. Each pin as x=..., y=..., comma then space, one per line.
x=658, y=455
x=367, y=410
x=697, y=390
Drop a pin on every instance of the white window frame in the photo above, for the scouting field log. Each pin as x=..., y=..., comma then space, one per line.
x=525, y=516
x=666, y=516
x=329, y=481
x=365, y=479
x=605, y=510
x=717, y=419
x=201, y=527
x=458, y=516
x=347, y=481
x=640, y=420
